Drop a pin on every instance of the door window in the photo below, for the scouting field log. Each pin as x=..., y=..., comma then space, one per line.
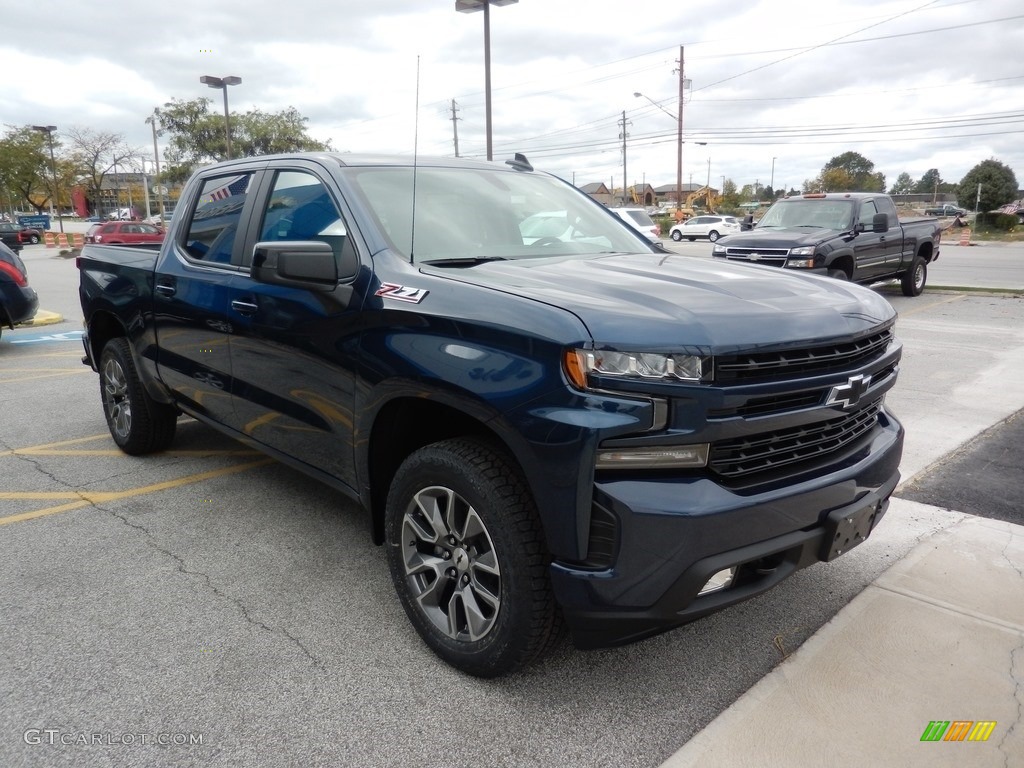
x=301, y=208
x=215, y=217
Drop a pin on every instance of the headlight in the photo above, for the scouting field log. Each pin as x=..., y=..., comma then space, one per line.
x=718, y=250
x=800, y=263
x=805, y=250
x=644, y=366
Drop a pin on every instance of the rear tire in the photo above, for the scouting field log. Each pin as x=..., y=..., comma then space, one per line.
x=137, y=422
x=914, y=279
x=713, y=236
x=691, y=239
x=467, y=557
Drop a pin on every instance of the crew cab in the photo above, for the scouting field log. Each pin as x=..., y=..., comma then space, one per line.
x=549, y=420
x=854, y=236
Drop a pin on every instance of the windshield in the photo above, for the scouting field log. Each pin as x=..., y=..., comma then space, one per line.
x=820, y=213
x=473, y=214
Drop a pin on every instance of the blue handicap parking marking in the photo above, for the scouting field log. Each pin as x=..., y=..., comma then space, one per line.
x=65, y=336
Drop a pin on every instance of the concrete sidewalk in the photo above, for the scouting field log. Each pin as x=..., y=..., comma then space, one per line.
x=937, y=637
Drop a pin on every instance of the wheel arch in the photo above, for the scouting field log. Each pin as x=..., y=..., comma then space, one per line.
x=842, y=260
x=406, y=423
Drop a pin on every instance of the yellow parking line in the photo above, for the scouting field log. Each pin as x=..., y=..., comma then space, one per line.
x=97, y=497
x=75, y=441
x=923, y=307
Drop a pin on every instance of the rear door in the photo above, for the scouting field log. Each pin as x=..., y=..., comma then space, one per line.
x=190, y=294
x=292, y=348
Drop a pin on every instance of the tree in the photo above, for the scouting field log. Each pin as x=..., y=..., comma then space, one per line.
x=929, y=183
x=904, y=185
x=97, y=153
x=24, y=161
x=998, y=186
x=851, y=172
x=197, y=134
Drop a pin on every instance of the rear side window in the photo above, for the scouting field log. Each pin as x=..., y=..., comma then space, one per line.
x=214, y=220
x=641, y=218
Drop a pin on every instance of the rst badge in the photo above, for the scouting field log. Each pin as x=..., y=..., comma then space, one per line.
x=401, y=292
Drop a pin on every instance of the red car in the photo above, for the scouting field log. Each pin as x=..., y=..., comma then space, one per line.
x=124, y=232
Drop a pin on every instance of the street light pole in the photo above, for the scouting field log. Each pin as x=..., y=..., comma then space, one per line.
x=223, y=83
x=156, y=159
x=48, y=130
x=772, y=182
x=471, y=6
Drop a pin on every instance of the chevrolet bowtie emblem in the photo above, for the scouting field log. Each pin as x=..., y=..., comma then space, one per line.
x=849, y=394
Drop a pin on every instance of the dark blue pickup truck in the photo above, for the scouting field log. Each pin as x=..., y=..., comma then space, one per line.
x=550, y=421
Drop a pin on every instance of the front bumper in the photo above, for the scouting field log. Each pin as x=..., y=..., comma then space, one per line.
x=673, y=536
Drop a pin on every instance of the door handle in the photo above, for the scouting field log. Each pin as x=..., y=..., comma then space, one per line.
x=244, y=307
x=165, y=290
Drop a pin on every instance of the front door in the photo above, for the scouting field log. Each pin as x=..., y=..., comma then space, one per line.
x=292, y=349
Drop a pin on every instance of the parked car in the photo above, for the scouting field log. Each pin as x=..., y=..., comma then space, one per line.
x=93, y=218
x=124, y=232
x=945, y=210
x=18, y=302
x=639, y=220
x=855, y=236
x=31, y=234
x=711, y=227
x=12, y=235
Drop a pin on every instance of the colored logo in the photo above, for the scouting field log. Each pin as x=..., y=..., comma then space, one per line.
x=958, y=730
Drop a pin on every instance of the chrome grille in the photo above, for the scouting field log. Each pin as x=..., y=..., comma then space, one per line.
x=752, y=454
x=775, y=257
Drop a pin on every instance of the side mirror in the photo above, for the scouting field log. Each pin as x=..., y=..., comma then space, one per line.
x=306, y=264
x=880, y=222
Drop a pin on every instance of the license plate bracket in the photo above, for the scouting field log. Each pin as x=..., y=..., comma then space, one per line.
x=845, y=530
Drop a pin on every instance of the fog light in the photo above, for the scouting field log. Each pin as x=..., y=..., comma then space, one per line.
x=718, y=582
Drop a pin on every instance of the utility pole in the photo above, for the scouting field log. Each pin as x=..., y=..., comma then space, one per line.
x=623, y=136
x=679, y=153
x=455, y=126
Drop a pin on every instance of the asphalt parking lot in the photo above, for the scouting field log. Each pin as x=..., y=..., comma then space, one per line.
x=207, y=606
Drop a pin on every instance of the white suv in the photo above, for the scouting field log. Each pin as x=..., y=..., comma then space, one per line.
x=638, y=219
x=711, y=227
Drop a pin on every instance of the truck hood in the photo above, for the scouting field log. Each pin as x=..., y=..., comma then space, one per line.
x=663, y=301
x=789, y=237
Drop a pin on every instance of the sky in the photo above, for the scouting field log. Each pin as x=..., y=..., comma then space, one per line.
x=776, y=87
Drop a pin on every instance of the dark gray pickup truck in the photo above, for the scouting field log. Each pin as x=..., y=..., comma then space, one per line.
x=549, y=420
x=846, y=235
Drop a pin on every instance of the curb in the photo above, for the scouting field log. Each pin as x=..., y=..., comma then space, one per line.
x=42, y=317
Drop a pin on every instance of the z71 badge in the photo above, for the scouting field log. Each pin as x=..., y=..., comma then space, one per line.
x=401, y=292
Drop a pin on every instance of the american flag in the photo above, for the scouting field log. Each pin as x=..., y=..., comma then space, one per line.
x=229, y=186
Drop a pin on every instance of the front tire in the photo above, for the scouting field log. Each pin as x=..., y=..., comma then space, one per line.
x=34, y=239
x=838, y=274
x=137, y=422
x=914, y=279
x=467, y=557
x=677, y=235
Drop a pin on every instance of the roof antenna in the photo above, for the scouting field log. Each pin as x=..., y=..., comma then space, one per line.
x=415, y=155
x=520, y=163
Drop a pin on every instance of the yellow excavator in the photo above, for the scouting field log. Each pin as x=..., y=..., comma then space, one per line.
x=705, y=193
